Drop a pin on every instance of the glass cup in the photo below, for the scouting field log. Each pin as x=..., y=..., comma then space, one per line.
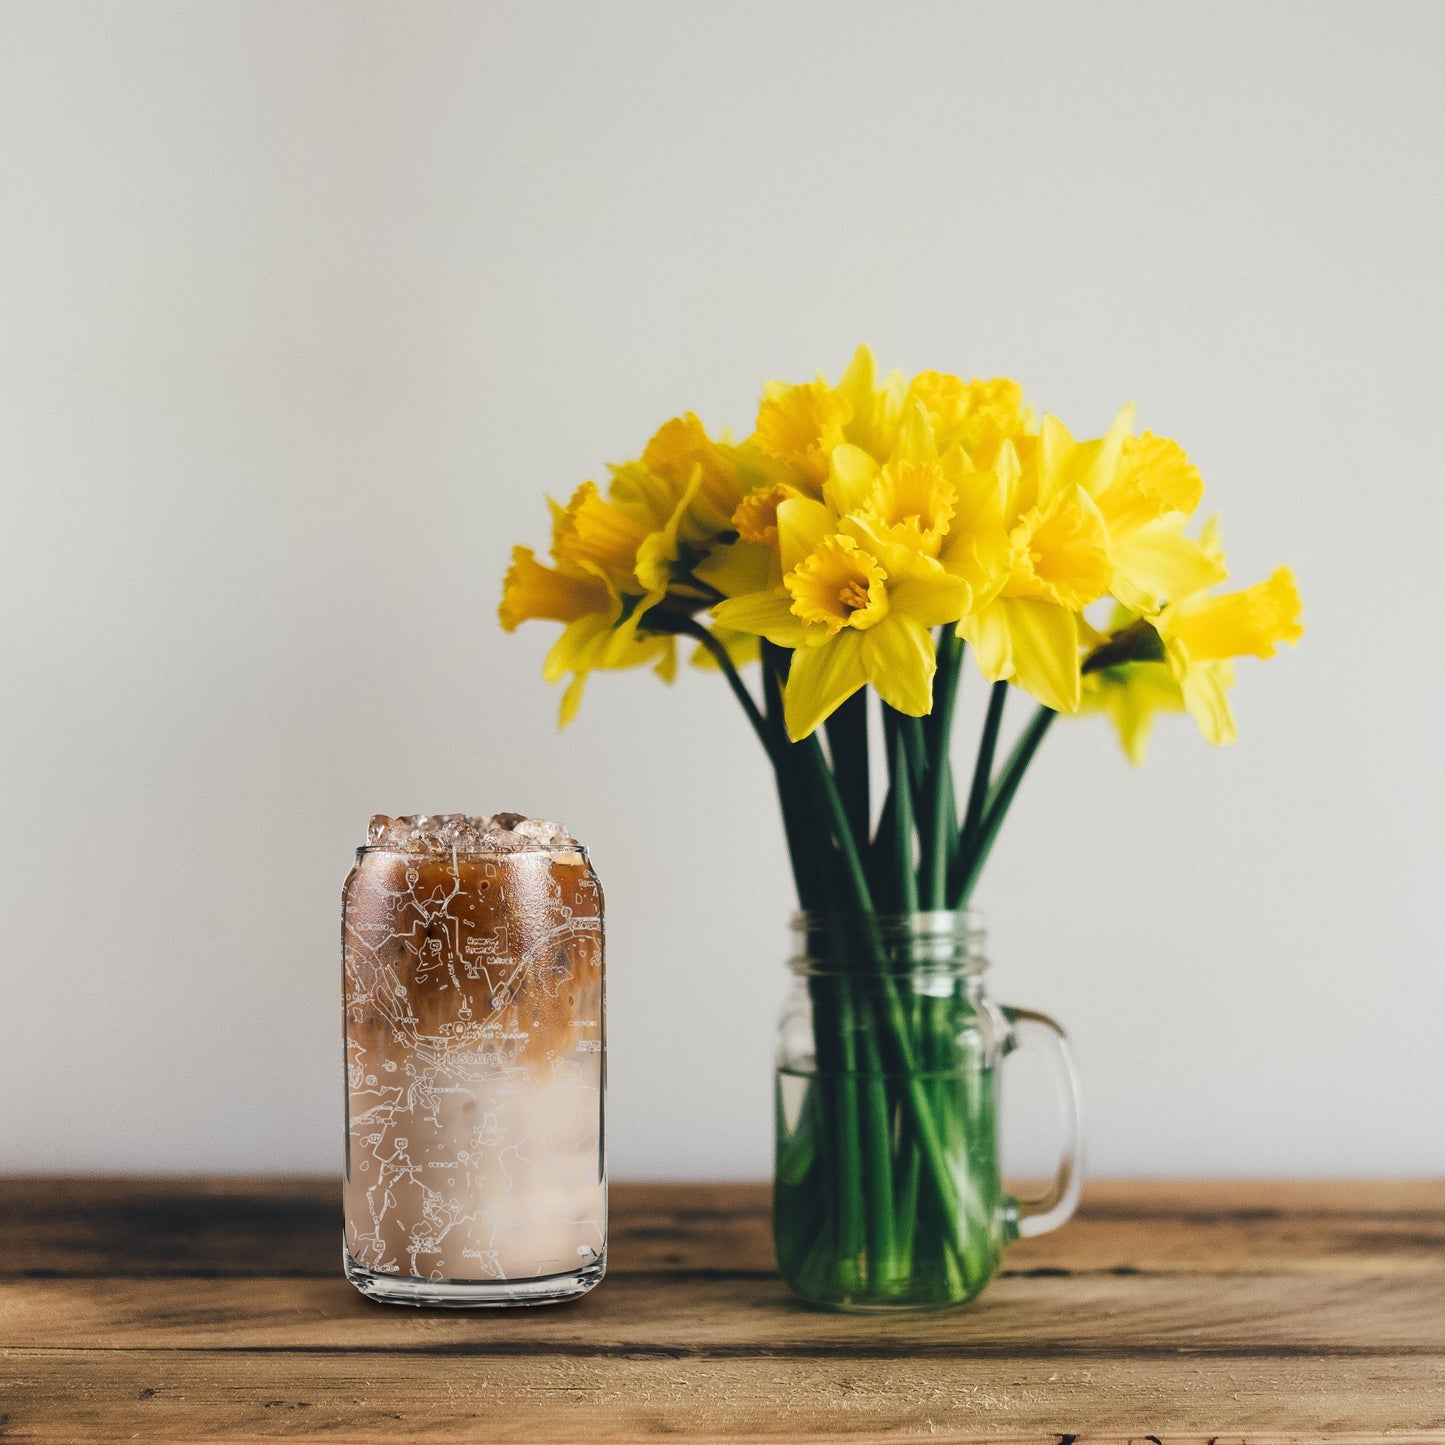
x=475, y=1070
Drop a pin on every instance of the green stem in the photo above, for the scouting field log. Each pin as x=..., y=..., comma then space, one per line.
x=983, y=766
x=826, y=792
x=792, y=794
x=879, y=1146
x=689, y=627
x=840, y=1024
x=905, y=1187
x=940, y=821
x=914, y=746
x=894, y=1019
x=900, y=855
x=1001, y=795
x=848, y=743
x=852, y=1194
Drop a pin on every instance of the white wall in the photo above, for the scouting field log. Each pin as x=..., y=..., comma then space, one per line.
x=303, y=308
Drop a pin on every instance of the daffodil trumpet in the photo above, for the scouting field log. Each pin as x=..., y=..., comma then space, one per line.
x=865, y=542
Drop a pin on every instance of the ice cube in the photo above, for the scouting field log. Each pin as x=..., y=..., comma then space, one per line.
x=435, y=833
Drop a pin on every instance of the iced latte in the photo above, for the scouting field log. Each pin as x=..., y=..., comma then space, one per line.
x=473, y=977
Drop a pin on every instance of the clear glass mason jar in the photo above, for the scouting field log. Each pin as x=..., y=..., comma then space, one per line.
x=887, y=1191
x=475, y=1075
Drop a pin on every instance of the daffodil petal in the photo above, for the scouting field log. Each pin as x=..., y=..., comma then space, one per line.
x=1055, y=447
x=856, y=387
x=531, y=590
x=978, y=496
x=666, y=666
x=1250, y=622
x=1044, y=650
x=1155, y=478
x=1063, y=552
x=986, y=632
x=931, y=595
x=595, y=532
x=577, y=647
x=856, y=383
x=800, y=425
x=1132, y=695
x=981, y=554
x=821, y=679
x=1010, y=476
x=571, y=700
x=736, y=570
x=850, y=479
x=766, y=614
x=1095, y=465
x=898, y=659
x=802, y=524
x=1205, y=686
x=1157, y=562
x=915, y=436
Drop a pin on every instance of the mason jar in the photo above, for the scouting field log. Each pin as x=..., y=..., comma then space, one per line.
x=475, y=1169
x=887, y=1186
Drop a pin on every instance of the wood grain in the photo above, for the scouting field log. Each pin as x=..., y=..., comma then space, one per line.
x=283, y=1227
x=218, y=1395
x=177, y=1310
x=636, y=1317
x=292, y=1227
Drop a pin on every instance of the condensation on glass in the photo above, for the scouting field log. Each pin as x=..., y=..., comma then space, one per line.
x=475, y=1068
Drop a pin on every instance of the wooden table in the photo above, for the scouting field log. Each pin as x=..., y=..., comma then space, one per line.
x=190, y=1310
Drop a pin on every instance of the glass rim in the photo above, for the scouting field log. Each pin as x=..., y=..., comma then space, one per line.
x=920, y=923
x=930, y=941
x=492, y=855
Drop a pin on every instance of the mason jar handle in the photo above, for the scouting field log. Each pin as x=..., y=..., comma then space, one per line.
x=1058, y=1202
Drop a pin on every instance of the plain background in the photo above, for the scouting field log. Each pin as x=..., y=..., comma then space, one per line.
x=304, y=308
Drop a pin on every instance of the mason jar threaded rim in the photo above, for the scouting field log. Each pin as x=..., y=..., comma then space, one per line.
x=944, y=939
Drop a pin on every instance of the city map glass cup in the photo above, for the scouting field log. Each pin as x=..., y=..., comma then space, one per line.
x=475, y=1168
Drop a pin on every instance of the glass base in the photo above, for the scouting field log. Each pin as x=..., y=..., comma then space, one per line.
x=407, y=1289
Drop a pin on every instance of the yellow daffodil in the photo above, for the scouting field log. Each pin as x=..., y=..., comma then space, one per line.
x=875, y=408
x=1182, y=659
x=859, y=515
x=1202, y=634
x=799, y=426
x=601, y=626
x=1047, y=545
x=751, y=563
x=1126, y=675
x=855, y=608
x=593, y=589
x=686, y=479
x=594, y=534
x=683, y=492
x=799, y=431
x=608, y=640
x=531, y=591
x=979, y=416
x=1146, y=489
x=1132, y=693
x=620, y=556
x=909, y=497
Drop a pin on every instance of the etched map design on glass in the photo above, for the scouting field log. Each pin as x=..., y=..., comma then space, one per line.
x=475, y=1162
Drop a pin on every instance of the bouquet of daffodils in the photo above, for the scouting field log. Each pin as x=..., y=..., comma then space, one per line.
x=867, y=538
